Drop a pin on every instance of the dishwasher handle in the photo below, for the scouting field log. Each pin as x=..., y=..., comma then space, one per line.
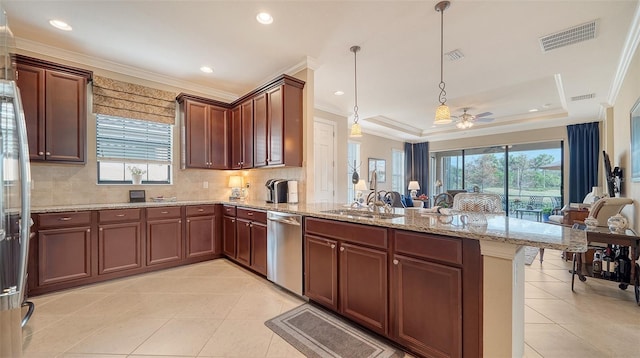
x=285, y=220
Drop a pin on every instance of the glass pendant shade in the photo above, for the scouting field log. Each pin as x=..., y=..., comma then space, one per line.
x=356, y=131
x=443, y=115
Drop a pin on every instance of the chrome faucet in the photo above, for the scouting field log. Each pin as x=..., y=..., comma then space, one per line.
x=375, y=204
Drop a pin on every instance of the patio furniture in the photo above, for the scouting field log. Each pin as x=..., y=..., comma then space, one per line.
x=534, y=207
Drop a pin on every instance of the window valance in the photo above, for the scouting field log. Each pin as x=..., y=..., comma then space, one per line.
x=128, y=100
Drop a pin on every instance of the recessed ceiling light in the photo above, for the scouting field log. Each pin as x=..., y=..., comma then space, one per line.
x=264, y=18
x=59, y=24
x=206, y=69
x=338, y=93
x=533, y=110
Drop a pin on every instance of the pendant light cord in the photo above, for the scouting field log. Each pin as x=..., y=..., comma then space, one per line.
x=443, y=93
x=355, y=50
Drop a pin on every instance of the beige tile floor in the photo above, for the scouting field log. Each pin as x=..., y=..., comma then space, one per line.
x=217, y=309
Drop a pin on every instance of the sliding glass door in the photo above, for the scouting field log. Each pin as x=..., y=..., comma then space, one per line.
x=528, y=177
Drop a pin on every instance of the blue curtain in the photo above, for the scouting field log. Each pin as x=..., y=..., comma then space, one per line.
x=417, y=165
x=584, y=152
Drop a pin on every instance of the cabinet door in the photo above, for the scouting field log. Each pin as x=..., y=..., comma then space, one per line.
x=64, y=254
x=247, y=133
x=259, y=247
x=321, y=271
x=164, y=241
x=30, y=81
x=219, y=134
x=243, y=253
x=229, y=236
x=275, y=126
x=200, y=235
x=260, y=130
x=363, y=286
x=417, y=287
x=196, y=135
x=65, y=117
x=119, y=247
x=235, y=134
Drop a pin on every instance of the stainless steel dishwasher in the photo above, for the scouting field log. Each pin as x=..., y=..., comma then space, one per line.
x=284, y=250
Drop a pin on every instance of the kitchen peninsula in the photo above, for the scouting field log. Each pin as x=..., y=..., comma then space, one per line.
x=487, y=260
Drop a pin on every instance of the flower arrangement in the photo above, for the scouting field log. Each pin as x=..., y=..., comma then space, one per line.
x=422, y=197
x=136, y=170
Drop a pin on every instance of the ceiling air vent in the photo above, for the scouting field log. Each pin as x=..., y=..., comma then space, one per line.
x=570, y=36
x=583, y=97
x=454, y=55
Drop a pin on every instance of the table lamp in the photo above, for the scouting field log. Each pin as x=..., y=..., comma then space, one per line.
x=235, y=183
x=414, y=187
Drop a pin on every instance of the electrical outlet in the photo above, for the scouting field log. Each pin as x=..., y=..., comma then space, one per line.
x=248, y=185
x=205, y=185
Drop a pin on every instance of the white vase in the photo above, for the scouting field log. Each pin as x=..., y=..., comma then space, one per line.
x=618, y=224
x=136, y=178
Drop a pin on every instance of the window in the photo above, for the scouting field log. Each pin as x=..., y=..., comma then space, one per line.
x=397, y=171
x=123, y=143
x=354, y=164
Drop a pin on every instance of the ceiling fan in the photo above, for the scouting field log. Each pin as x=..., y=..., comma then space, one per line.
x=466, y=120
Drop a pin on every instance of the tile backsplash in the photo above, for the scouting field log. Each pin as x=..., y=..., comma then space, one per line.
x=62, y=184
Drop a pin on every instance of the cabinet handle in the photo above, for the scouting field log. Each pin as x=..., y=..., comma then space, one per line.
x=66, y=218
x=164, y=212
x=250, y=213
x=333, y=246
x=88, y=230
x=246, y=224
x=48, y=153
x=121, y=215
x=341, y=248
x=233, y=220
x=179, y=221
x=241, y=163
x=100, y=229
x=188, y=220
x=200, y=210
x=395, y=261
x=40, y=153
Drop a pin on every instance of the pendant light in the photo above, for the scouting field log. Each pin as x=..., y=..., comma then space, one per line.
x=356, y=131
x=443, y=115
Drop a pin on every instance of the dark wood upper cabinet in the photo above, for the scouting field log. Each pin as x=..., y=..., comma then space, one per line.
x=205, y=125
x=242, y=136
x=262, y=128
x=54, y=100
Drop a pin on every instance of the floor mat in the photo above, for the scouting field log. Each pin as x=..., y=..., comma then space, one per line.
x=317, y=333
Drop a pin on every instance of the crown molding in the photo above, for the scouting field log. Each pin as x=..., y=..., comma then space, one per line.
x=395, y=125
x=629, y=49
x=307, y=62
x=71, y=56
x=560, y=87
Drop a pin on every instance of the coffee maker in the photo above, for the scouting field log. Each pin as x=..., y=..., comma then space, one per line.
x=276, y=190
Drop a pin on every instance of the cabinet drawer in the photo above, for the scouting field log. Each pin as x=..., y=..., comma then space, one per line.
x=200, y=210
x=428, y=246
x=229, y=210
x=255, y=215
x=356, y=233
x=109, y=216
x=65, y=219
x=163, y=213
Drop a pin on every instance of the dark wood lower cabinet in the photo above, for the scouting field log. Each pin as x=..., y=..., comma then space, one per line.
x=426, y=301
x=321, y=271
x=119, y=247
x=243, y=241
x=363, y=286
x=229, y=236
x=200, y=235
x=259, y=247
x=164, y=241
x=64, y=254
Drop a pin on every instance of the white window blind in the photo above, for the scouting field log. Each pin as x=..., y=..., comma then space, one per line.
x=133, y=140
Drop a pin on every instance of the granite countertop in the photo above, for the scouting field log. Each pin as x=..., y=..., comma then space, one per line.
x=498, y=228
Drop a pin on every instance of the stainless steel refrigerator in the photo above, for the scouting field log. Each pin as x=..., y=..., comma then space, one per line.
x=15, y=221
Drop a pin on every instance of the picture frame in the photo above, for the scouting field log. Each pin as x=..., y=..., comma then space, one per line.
x=380, y=166
x=635, y=141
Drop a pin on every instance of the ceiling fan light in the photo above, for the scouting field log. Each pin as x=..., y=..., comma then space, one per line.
x=356, y=131
x=443, y=115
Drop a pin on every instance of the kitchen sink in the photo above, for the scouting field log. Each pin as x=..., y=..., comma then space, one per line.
x=363, y=214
